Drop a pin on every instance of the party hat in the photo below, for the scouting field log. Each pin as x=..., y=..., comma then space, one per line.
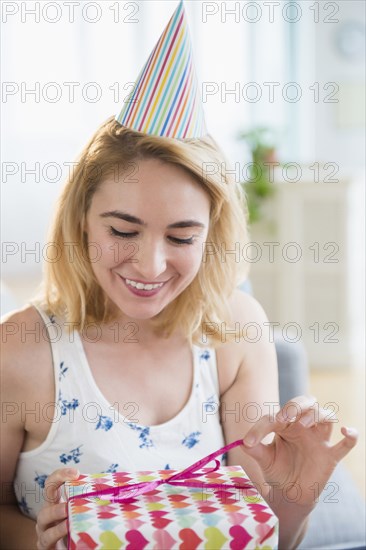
x=166, y=100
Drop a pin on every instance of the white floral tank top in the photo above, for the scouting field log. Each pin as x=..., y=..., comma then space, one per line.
x=88, y=433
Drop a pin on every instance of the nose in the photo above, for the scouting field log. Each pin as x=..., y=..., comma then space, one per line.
x=151, y=260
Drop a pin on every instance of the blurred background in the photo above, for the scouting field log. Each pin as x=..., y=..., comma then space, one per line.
x=283, y=86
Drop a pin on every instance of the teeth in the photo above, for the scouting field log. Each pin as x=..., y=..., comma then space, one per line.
x=141, y=286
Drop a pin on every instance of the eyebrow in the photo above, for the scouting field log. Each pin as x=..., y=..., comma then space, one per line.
x=133, y=219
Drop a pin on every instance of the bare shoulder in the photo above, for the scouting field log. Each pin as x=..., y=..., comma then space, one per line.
x=24, y=347
x=26, y=379
x=245, y=308
x=233, y=358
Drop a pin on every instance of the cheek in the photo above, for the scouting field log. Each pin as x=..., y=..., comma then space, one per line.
x=111, y=252
x=191, y=260
x=118, y=252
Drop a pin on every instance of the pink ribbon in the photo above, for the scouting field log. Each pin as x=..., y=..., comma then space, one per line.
x=123, y=492
x=181, y=478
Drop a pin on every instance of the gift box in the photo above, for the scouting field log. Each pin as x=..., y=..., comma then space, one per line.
x=211, y=509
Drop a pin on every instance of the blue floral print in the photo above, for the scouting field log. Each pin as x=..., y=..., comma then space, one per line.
x=40, y=479
x=74, y=455
x=24, y=506
x=104, y=422
x=111, y=469
x=143, y=435
x=191, y=440
x=210, y=404
x=62, y=370
x=205, y=355
x=67, y=405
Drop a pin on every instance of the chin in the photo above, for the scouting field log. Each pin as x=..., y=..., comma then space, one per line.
x=142, y=312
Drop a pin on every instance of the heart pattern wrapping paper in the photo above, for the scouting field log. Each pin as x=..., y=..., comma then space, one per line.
x=170, y=517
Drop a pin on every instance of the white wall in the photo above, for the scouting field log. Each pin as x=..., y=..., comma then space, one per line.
x=330, y=127
x=228, y=52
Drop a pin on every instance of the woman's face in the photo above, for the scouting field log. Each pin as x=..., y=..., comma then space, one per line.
x=147, y=227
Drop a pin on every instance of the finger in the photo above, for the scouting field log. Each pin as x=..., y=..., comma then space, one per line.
x=50, y=537
x=252, y=441
x=294, y=408
x=317, y=415
x=263, y=454
x=264, y=426
x=54, y=481
x=343, y=447
x=50, y=515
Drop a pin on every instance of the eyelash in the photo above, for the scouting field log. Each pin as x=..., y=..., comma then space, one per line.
x=116, y=233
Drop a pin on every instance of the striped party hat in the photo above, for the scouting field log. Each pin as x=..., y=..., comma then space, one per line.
x=166, y=100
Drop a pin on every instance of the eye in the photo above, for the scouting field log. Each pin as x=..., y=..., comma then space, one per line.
x=182, y=241
x=120, y=234
x=116, y=233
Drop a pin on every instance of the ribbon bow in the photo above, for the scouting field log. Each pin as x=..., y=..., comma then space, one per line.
x=120, y=493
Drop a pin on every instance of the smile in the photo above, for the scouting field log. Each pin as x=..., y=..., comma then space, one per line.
x=141, y=286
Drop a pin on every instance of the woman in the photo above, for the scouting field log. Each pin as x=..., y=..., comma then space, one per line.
x=142, y=280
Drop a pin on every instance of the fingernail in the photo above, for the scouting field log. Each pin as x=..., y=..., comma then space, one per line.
x=249, y=440
x=351, y=431
x=306, y=421
x=283, y=418
x=72, y=472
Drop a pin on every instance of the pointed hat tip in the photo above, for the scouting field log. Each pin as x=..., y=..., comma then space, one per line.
x=165, y=100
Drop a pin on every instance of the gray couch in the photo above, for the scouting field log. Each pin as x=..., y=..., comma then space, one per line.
x=338, y=521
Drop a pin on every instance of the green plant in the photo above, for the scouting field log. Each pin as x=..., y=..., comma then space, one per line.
x=262, y=145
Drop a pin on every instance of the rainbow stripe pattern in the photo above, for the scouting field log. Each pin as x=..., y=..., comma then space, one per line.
x=165, y=100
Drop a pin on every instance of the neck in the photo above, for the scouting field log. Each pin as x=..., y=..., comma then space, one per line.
x=139, y=332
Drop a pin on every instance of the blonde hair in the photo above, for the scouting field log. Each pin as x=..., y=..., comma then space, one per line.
x=70, y=286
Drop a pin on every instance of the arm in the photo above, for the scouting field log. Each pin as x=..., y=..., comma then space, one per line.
x=299, y=452
x=22, y=362
x=255, y=389
x=17, y=530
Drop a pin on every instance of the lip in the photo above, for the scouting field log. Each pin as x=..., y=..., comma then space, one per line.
x=142, y=293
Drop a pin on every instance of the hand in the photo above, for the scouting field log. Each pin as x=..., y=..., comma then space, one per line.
x=51, y=524
x=300, y=459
